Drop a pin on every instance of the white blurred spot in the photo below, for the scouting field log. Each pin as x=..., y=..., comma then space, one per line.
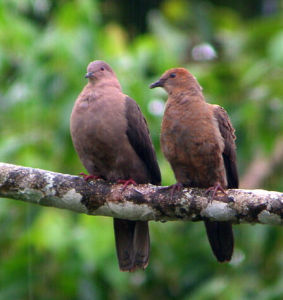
x=203, y=52
x=138, y=278
x=125, y=62
x=259, y=93
x=237, y=258
x=276, y=104
x=18, y=92
x=41, y=7
x=156, y=107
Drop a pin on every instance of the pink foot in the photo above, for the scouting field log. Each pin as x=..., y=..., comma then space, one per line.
x=174, y=187
x=217, y=187
x=88, y=177
x=126, y=183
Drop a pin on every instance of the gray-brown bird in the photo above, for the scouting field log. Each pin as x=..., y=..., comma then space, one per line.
x=198, y=140
x=112, y=140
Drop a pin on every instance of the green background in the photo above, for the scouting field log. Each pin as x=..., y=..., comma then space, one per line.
x=235, y=49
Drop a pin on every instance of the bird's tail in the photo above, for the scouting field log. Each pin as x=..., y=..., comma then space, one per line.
x=220, y=236
x=132, y=244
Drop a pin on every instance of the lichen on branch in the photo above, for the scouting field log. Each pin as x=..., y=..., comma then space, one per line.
x=141, y=202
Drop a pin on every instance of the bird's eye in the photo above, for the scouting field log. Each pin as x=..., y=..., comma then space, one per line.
x=102, y=69
x=172, y=75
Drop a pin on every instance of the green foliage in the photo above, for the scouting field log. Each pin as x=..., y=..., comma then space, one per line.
x=45, y=47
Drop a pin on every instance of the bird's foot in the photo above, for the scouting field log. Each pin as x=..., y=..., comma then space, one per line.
x=174, y=187
x=88, y=177
x=126, y=183
x=215, y=189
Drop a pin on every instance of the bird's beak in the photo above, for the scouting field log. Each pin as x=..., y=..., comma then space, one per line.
x=89, y=75
x=158, y=83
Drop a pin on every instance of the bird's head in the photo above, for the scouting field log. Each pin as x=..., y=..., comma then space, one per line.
x=97, y=70
x=176, y=79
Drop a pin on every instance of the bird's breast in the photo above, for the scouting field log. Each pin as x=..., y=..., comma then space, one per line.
x=99, y=136
x=191, y=142
x=98, y=127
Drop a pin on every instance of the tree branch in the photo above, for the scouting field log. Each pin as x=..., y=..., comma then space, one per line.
x=142, y=202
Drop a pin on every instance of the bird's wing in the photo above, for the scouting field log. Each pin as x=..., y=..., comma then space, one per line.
x=138, y=135
x=229, y=154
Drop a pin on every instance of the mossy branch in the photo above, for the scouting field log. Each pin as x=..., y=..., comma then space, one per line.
x=142, y=202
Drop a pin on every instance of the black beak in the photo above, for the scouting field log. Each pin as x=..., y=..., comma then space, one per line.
x=158, y=83
x=89, y=74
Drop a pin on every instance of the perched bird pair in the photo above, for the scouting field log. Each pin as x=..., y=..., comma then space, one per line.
x=113, y=142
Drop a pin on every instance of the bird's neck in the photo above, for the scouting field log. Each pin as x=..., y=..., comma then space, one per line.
x=112, y=83
x=187, y=96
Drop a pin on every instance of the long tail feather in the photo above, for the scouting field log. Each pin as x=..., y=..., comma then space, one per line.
x=132, y=244
x=220, y=236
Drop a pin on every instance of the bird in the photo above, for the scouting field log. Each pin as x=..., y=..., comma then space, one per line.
x=112, y=140
x=198, y=140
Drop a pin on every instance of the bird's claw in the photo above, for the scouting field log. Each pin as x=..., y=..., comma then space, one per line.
x=174, y=187
x=126, y=183
x=88, y=177
x=216, y=188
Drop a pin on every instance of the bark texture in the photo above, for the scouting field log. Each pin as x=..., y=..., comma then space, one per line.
x=143, y=202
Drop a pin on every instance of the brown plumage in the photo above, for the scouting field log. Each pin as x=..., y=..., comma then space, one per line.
x=198, y=140
x=112, y=140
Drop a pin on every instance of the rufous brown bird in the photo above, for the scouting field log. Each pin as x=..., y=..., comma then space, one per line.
x=198, y=140
x=112, y=140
